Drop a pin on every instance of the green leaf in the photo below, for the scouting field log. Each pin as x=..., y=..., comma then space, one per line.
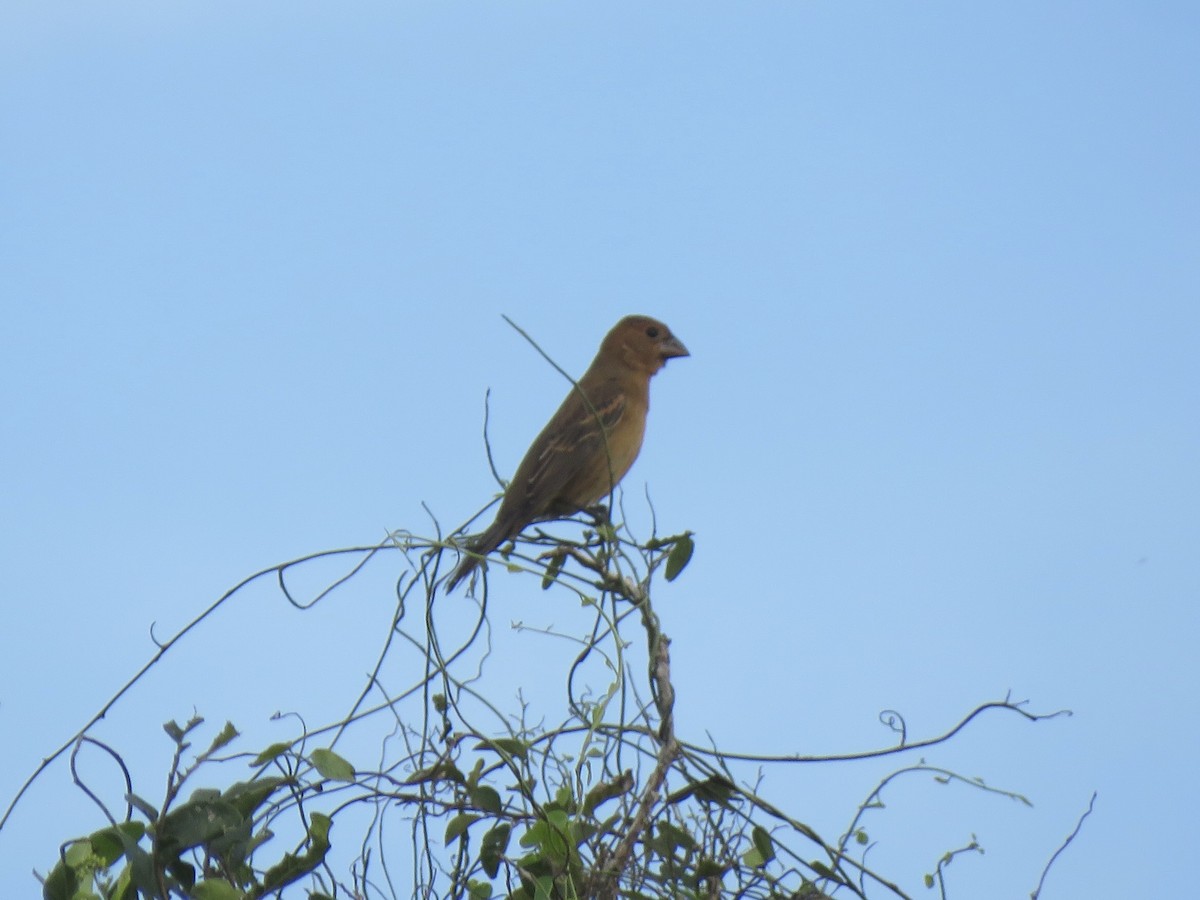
x=506, y=746
x=292, y=868
x=486, y=798
x=78, y=853
x=107, y=843
x=544, y=888
x=146, y=808
x=195, y=823
x=61, y=884
x=680, y=555
x=564, y=798
x=479, y=890
x=708, y=867
x=216, y=890
x=142, y=874
x=332, y=766
x=234, y=846
x=607, y=790
x=928, y=881
x=675, y=837
x=443, y=770
x=552, y=570
x=535, y=834
x=714, y=789
x=582, y=831
x=248, y=796
x=177, y=733
x=550, y=836
x=861, y=836
x=228, y=733
x=763, y=843
x=123, y=889
x=457, y=826
x=271, y=752
x=492, y=847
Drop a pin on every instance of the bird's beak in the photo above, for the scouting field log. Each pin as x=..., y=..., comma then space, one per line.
x=673, y=347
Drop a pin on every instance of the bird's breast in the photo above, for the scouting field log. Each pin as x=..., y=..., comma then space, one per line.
x=602, y=471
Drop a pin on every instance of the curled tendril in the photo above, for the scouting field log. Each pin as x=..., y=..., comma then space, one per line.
x=896, y=723
x=116, y=757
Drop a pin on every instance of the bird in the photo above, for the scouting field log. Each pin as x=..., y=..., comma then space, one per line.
x=589, y=443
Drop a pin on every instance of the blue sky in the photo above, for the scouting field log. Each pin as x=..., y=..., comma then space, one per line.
x=938, y=268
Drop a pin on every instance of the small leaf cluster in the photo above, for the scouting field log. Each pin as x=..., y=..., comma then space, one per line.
x=203, y=847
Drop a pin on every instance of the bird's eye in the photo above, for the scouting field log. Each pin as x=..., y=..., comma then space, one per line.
x=652, y=332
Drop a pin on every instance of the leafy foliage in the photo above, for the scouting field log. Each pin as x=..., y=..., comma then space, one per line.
x=202, y=847
x=607, y=802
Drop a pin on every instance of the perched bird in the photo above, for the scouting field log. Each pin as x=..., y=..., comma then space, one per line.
x=590, y=443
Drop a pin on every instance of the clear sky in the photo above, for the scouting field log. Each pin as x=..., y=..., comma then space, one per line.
x=938, y=265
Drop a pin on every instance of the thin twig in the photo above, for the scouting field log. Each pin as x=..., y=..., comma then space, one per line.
x=1066, y=843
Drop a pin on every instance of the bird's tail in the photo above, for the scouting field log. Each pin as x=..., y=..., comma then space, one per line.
x=477, y=548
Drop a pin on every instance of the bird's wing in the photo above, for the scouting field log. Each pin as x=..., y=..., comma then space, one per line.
x=575, y=437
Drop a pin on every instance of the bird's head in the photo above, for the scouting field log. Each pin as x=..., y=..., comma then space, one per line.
x=642, y=343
